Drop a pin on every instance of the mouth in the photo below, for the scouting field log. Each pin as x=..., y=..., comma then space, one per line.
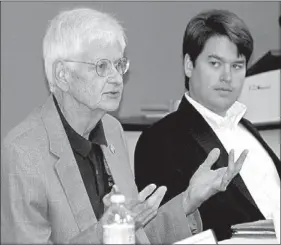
x=223, y=89
x=112, y=93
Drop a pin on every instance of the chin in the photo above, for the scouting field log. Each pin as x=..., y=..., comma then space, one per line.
x=110, y=107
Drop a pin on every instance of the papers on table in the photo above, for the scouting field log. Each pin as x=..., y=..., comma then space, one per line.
x=263, y=228
x=258, y=232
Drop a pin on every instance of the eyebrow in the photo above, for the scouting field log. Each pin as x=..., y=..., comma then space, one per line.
x=240, y=61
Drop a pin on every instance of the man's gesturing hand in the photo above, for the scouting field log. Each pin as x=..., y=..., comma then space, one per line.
x=145, y=209
x=206, y=182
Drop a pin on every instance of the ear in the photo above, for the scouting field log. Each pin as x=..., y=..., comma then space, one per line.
x=60, y=75
x=188, y=66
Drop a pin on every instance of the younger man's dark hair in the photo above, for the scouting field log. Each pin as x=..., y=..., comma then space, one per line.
x=215, y=23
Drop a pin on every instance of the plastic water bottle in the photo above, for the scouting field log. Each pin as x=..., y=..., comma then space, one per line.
x=118, y=223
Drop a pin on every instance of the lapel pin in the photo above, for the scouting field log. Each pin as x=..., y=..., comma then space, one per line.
x=112, y=149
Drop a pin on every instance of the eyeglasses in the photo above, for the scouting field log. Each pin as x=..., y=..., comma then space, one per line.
x=104, y=66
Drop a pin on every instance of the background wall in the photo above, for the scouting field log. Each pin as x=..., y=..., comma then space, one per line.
x=154, y=31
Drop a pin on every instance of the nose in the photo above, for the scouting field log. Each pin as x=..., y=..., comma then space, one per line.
x=226, y=75
x=115, y=78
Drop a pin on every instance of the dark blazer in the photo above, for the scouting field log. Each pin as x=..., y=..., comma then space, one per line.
x=170, y=151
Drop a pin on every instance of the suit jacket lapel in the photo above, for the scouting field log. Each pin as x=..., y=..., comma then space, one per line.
x=196, y=126
x=117, y=161
x=67, y=169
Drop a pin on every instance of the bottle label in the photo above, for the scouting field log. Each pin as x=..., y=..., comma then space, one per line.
x=119, y=234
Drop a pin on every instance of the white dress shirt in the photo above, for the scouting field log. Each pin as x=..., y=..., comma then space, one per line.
x=258, y=171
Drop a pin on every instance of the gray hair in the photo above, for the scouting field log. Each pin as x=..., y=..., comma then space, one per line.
x=69, y=29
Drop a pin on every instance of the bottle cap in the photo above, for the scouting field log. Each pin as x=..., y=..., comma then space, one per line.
x=117, y=198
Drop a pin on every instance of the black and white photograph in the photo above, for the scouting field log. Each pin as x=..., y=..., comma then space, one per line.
x=140, y=122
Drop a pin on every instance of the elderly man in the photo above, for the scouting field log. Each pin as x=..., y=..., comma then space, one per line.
x=61, y=162
x=217, y=46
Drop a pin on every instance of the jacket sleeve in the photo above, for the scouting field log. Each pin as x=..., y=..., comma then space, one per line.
x=23, y=199
x=171, y=224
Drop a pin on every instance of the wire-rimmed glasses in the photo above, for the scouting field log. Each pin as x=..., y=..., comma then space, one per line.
x=104, y=66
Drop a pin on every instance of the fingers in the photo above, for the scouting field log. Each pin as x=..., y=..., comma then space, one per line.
x=148, y=190
x=157, y=197
x=221, y=180
x=231, y=161
x=141, y=219
x=106, y=200
x=147, y=210
x=225, y=181
x=152, y=203
x=212, y=158
x=240, y=161
x=233, y=168
x=230, y=170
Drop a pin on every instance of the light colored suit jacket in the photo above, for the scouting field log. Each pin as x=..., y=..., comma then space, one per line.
x=43, y=198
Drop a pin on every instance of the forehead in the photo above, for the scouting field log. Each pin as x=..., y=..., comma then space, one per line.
x=222, y=47
x=102, y=49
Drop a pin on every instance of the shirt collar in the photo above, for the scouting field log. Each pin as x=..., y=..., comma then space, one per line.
x=78, y=143
x=229, y=121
